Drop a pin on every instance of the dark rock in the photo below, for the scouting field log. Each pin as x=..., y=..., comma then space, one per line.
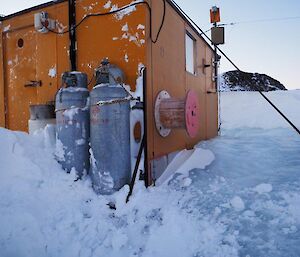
x=245, y=81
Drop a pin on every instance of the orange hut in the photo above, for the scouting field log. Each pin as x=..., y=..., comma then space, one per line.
x=152, y=34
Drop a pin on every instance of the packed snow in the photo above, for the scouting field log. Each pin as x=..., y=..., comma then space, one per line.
x=263, y=188
x=237, y=203
x=244, y=201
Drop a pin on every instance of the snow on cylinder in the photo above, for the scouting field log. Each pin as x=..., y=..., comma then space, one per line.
x=72, y=118
x=110, y=131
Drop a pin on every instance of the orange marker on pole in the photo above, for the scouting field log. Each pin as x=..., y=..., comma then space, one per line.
x=215, y=14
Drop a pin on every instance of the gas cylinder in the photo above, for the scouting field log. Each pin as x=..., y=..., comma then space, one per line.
x=41, y=115
x=110, y=130
x=72, y=123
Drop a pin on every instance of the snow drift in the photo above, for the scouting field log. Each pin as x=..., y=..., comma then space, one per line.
x=250, y=110
x=245, y=203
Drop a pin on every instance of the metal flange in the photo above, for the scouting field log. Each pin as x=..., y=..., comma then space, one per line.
x=164, y=132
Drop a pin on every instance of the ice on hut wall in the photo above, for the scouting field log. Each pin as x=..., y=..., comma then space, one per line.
x=6, y=28
x=52, y=72
x=107, y=5
x=135, y=35
x=120, y=15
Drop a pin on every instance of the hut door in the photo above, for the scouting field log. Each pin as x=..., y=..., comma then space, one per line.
x=20, y=76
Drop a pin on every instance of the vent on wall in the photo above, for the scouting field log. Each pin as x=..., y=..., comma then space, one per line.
x=42, y=22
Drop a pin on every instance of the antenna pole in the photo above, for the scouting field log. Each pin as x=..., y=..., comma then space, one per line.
x=216, y=61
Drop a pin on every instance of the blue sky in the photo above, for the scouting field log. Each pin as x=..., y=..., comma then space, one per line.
x=272, y=47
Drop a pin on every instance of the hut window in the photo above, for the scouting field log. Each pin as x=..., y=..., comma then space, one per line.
x=190, y=43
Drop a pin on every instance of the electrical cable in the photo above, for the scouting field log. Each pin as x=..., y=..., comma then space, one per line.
x=122, y=85
x=255, y=86
x=257, y=21
x=205, y=31
x=161, y=24
x=261, y=20
x=119, y=10
x=91, y=80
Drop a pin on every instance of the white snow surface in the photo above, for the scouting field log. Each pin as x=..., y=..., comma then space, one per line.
x=250, y=110
x=237, y=203
x=263, y=188
x=246, y=202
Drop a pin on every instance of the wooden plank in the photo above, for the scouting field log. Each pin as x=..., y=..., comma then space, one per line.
x=2, y=103
x=172, y=113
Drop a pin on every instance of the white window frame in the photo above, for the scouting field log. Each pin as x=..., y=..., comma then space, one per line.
x=190, y=67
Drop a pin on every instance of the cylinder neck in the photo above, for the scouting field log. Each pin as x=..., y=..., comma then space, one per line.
x=74, y=79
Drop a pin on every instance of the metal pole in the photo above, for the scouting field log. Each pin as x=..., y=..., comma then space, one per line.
x=147, y=174
x=138, y=160
x=72, y=34
x=216, y=63
x=216, y=59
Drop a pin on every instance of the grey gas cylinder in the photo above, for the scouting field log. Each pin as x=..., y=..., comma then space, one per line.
x=110, y=132
x=72, y=123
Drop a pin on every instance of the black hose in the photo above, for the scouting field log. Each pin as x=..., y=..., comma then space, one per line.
x=119, y=10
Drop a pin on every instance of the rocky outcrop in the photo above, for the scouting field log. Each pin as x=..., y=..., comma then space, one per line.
x=245, y=81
